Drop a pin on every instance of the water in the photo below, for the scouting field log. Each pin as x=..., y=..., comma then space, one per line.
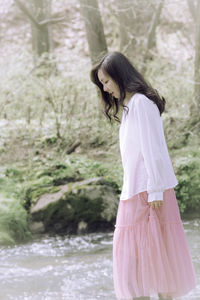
x=71, y=267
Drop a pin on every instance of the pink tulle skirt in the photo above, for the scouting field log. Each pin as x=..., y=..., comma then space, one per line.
x=150, y=250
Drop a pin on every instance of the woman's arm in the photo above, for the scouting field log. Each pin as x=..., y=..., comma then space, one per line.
x=151, y=139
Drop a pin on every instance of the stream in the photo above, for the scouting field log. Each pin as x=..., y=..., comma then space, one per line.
x=71, y=267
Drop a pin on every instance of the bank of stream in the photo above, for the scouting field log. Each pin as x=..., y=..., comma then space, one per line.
x=71, y=267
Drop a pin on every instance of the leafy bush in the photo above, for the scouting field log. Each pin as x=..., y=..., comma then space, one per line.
x=188, y=189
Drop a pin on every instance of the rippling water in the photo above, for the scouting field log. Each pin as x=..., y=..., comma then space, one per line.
x=71, y=267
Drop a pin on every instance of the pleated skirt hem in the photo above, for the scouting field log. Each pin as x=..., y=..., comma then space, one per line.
x=150, y=250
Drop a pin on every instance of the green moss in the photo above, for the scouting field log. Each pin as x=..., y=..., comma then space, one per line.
x=89, y=168
x=13, y=221
x=15, y=174
x=46, y=179
x=50, y=141
x=60, y=173
x=31, y=192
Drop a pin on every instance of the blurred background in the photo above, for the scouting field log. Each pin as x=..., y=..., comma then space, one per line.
x=60, y=166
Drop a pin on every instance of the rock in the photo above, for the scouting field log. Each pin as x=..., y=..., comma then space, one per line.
x=36, y=227
x=83, y=206
x=82, y=227
x=46, y=199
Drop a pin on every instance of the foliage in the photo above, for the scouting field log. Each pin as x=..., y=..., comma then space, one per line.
x=89, y=168
x=13, y=221
x=188, y=174
x=178, y=92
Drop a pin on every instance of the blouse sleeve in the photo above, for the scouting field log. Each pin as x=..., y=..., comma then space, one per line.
x=152, y=141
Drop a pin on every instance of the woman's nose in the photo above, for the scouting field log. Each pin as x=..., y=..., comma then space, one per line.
x=105, y=88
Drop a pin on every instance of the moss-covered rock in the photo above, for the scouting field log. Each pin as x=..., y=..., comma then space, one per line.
x=87, y=205
x=48, y=177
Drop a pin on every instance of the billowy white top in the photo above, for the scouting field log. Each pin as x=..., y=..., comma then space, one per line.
x=145, y=159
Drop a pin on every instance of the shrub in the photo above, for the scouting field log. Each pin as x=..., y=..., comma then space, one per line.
x=188, y=175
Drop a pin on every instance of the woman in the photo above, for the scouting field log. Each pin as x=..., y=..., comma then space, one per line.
x=150, y=251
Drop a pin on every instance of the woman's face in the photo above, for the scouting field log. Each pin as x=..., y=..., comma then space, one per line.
x=109, y=84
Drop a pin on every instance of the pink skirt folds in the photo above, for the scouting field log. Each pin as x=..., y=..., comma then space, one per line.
x=150, y=250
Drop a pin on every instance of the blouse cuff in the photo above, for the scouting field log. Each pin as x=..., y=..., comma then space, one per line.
x=155, y=196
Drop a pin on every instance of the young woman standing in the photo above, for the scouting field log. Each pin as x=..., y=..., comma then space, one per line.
x=150, y=251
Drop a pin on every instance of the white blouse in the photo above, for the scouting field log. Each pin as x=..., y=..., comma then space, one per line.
x=145, y=158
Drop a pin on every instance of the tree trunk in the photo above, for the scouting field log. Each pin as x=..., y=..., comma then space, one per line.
x=94, y=29
x=151, y=40
x=39, y=13
x=196, y=105
x=41, y=36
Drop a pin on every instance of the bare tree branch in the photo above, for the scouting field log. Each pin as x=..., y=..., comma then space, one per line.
x=51, y=21
x=33, y=19
x=73, y=147
x=27, y=12
x=90, y=13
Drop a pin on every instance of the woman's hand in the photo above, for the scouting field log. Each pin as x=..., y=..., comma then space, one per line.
x=156, y=204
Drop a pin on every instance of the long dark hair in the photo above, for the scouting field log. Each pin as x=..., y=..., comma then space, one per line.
x=128, y=79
